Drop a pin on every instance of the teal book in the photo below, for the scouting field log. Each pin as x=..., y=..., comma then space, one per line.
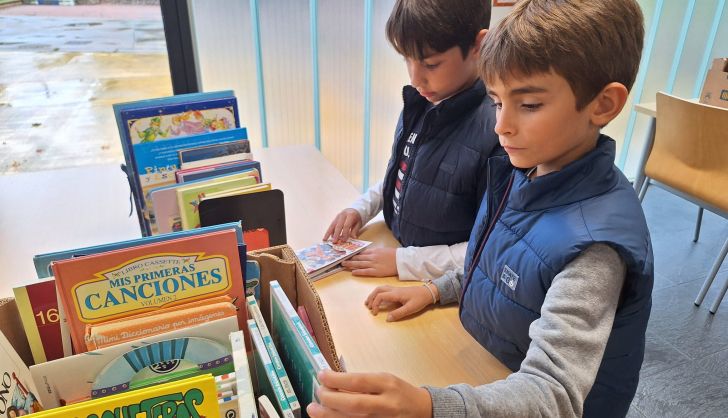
x=268, y=382
x=301, y=357
x=255, y=313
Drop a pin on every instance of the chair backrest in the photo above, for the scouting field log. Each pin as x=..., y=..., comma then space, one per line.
x=690, y=153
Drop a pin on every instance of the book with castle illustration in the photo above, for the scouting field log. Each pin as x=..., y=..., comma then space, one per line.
x=108, y=286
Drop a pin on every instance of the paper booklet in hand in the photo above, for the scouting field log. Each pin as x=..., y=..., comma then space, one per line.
x=324, y=258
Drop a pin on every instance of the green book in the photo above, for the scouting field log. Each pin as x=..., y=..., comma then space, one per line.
x=189, y=197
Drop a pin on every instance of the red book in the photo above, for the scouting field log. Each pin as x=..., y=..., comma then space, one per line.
x=38, y=308
x=101, y=287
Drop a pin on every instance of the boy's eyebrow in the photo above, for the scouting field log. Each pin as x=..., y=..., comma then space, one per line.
x=527, y=90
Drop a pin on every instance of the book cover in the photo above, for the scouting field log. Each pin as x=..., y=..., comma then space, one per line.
x=252, y=279
x=268, y=382
x=301, y=357
x=60, y=387
x=199, y=173
x=166, y=209
x=303, y=314
x=322, y=256
x=38, y=309
x=243, y=156
x=266, y=408
x=189, y=197
x=257, y=316
x=213, y=151
x=42, y=262
x=134, y=280
x=193, y=397
x=18, y=395
x=262, y=210
x=243, y=380
x=256, y=188
x=150, y=132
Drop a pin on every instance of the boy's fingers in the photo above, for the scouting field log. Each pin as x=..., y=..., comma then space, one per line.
x=329, y=232
x=367, y=272
x=401, y=312
x=352, y=382
x=317, y=411
x=374, y=293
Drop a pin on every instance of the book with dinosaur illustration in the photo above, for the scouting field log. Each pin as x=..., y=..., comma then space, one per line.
x=102, y=287
x=153, y=131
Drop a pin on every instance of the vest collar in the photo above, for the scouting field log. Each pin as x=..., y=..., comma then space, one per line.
x=589, y=176
x=449, y=109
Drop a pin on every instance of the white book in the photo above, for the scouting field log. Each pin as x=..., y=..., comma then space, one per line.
x=267, y=378
x=257, y=315
x=217, y=160
x=267, y=410
x=243, y=381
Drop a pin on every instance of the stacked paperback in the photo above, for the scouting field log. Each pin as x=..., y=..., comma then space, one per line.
x=324, y=259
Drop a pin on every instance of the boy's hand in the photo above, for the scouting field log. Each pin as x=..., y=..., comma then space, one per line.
x=346, y=224
x=375, y=262
x=412, y=298
x=368, y=394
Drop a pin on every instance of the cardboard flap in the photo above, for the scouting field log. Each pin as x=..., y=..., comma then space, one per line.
x=280, y=263
x=12, y=328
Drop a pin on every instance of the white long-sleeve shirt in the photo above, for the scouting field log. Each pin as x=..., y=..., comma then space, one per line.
x=413, y=263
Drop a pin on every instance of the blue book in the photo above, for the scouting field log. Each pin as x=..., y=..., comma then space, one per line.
x=43, y=261
x=151, y=133
x=206, y=152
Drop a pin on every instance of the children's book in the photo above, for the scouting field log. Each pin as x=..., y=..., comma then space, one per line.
x=193, y=397
x=213, y=151
x=268, y=382
x=166, y=210
x=325, y=257
x=263, y=210
x=120, y=283
x=243, y=156
x=301, y=357
x=266, y=408
x=257, y=316
x=199, y=173
x=257, y=188
x=59, y=387
x=38, y=309
x=252, y=279
x=43, y=261
x=18, y=395
x=243, y=380
x=189, y=196
x=152, y=131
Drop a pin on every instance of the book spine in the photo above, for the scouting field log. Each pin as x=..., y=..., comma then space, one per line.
x=300, y=327
x=254, y=311
x=270, y=371
x=243, y=380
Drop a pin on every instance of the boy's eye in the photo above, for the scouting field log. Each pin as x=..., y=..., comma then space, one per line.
x=497, y=105
x=431, y=66
x=531, y=106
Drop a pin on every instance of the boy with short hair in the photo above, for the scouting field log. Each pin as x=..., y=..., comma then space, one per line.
x=559, y=269
x=436, y=174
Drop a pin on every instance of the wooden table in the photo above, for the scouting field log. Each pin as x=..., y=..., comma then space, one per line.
x=77, y=207
x=431, y=348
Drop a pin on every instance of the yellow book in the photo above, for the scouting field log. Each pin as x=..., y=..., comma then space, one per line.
x=188, y=197
x=193, y=397
x=262, y=187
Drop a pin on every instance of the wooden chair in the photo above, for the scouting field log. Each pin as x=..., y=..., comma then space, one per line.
x=690, y=159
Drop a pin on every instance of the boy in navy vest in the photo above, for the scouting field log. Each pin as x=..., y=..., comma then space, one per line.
x=559, y=270
x=435, y=179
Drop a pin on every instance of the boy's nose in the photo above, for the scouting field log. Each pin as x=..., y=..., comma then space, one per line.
x=417, y=78
x=504, y=124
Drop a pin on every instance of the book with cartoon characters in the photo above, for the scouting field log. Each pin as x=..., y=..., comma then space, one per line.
x=19, y=395
x=153, y=131
x=324, y=258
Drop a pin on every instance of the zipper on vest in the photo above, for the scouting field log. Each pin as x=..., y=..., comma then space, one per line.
x=491, y=224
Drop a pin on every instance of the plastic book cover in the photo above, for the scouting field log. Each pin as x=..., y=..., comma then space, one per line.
x=164, y=204
x=199, y=173
x=257, y=316
x=213, y=151
x=301, y=357
x=38, y=308
x=262, y=210
x=60, y=387
x=324, y=255
x=102, y=287
x=268, y=382
x=43, y=261
x=18, y=395
x=193, y=397
x=243, y=380
x=150, y=132
x=189, y=197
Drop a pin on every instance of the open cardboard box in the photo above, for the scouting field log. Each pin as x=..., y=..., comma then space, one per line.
x=280, y=263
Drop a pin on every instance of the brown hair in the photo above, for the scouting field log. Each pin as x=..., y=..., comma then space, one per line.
x=416, y=26
x=590, y=43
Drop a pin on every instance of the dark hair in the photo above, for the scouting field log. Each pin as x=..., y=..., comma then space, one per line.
x=416, y=26
x=589, y=43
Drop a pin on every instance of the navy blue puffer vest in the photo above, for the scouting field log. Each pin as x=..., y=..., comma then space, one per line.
x=546, y=223
x=446, y=177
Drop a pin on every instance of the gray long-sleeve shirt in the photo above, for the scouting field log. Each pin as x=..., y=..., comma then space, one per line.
x=567, y=345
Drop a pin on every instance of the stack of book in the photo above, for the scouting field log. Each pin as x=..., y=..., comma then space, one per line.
x=324, y=258
x=183, y=150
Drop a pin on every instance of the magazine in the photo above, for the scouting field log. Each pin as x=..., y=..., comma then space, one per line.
x=324, y=258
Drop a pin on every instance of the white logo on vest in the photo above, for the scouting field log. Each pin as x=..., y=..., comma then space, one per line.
x=509, y=277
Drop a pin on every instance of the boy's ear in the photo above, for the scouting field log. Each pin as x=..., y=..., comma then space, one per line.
x=478, y=41
x=608, y=103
